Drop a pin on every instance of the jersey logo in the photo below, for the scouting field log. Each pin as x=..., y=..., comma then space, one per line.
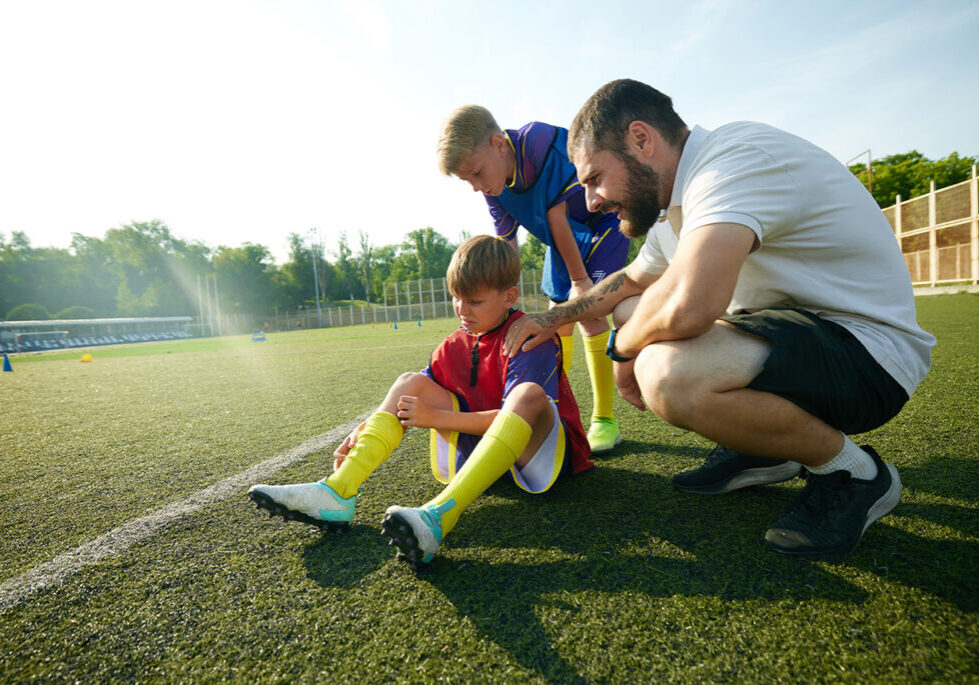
x=596, y=276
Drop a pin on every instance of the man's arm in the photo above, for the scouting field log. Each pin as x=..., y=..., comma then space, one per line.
x=693, y=292
x=599, y=300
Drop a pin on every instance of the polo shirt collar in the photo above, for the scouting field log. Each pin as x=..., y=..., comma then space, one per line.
x=691, y=148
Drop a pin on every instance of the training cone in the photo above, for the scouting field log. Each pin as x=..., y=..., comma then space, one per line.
x=395, y=325
x=6, y=363
x=86, y=357
x=419, y=323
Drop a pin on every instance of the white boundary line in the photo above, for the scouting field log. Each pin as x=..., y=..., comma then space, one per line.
x=18, y=589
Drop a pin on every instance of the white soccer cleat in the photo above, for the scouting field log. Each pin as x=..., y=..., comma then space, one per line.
x=314, y=503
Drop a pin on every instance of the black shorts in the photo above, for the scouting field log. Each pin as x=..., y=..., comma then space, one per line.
x=821, y=367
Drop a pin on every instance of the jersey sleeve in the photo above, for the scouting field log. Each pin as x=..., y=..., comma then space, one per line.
x=540, y=365
x=503, y=222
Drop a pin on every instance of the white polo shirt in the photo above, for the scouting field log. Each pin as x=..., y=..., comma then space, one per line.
x=823, y=244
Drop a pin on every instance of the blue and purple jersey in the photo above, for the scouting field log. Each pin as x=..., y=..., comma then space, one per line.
x=544, y=177
x=532, y=144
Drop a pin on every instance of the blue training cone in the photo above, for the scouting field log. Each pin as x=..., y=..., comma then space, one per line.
x=395, y=325
x=419, y=323
x=6, y=363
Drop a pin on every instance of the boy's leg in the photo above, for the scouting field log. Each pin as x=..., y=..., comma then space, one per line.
x=514, y=437
x=608, y=255
x=333, y=499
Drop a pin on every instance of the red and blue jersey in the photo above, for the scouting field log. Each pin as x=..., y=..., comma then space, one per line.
x=478, y=371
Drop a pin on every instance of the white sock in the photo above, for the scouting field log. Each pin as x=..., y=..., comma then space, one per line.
x=851, y=458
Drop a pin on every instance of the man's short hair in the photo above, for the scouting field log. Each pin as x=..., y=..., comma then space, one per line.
x=482, y=262
x=603, y=120
x=465, y=129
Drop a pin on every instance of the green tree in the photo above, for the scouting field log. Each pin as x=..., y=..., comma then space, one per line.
x=28, y=312
x=532, y=253
x=245, y=279
x=76, y=312
x=431, y=250
x=909, y=174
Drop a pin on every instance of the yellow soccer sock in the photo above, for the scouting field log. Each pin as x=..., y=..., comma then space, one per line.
x=567, y=352
x=600, y=370
x=498, y=450
x=380, y=436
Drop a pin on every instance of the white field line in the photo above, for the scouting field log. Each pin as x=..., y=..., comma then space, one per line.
x=18, y=589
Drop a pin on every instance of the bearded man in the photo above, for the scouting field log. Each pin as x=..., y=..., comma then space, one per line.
x=769, y=310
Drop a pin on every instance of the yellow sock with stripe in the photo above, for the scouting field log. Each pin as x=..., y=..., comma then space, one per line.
x=567, y=352
x=600, y=370
x=380, y=436
x=498, y=450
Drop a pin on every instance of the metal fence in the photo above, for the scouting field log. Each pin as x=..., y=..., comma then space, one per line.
x=406, y=301
x=939, y=233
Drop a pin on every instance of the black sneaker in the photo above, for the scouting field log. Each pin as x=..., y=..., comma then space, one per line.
x=726, y=470
x=829, y=516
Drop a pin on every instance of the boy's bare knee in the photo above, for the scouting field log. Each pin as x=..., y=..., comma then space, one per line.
x=529, y=400
x=623, y=310
x=411, y=380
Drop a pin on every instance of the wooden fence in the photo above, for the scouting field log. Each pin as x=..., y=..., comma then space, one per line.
x=939, y=233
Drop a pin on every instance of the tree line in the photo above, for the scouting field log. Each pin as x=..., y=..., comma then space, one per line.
x=142, y=269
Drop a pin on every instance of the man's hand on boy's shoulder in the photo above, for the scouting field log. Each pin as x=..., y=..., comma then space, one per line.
x=528, y=332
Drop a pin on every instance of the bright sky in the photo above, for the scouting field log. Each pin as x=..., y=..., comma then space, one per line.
x=236, y=121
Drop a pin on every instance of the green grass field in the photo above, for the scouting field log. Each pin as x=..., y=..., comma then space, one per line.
x=611, y=577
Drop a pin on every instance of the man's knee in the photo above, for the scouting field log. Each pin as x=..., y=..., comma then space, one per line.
x=623, y=310
x=671, y=385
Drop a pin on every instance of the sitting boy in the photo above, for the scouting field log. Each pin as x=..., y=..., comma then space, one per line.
x=529, y=181
x=490, y=415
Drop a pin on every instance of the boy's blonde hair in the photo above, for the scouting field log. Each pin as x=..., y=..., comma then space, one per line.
x=463, y=131
x=482, y=262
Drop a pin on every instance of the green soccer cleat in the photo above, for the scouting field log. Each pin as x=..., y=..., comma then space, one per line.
x=603, y=435
x=314, y=503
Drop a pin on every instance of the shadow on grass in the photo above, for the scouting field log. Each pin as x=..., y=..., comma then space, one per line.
x=632, y=532
x=945, y=477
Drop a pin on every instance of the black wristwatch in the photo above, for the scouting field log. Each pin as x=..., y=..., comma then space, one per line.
x=610, y=348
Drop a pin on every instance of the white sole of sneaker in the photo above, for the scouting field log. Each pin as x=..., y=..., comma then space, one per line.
x=887, y=501
x=766, y=475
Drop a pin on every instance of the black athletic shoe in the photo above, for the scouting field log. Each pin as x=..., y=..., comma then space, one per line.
x=829, y=516
x=726, y=470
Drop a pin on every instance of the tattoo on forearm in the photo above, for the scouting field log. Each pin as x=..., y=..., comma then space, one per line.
x=573, y=309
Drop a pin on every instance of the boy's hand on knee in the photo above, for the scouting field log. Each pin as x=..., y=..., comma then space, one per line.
x=348, y=442
x=625, y=381
x=414, y=411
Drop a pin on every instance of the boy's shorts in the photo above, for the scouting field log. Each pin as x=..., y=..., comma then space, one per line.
x=604, y=255
x=536, y=476
x=821, y=367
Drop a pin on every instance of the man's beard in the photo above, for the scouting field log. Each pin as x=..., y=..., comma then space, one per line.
x=640, y=208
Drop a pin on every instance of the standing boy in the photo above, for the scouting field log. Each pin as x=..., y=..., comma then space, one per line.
x=490, y=415
x=528, y=181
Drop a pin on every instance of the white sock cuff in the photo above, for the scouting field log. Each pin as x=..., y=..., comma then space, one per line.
x=851, y=458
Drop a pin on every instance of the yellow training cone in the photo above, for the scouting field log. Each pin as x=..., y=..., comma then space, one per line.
x=86, y=357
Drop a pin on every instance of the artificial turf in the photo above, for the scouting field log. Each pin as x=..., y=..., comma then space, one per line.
x=612, y=576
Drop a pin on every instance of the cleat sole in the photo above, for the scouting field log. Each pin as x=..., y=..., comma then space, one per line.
x=263, y=501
